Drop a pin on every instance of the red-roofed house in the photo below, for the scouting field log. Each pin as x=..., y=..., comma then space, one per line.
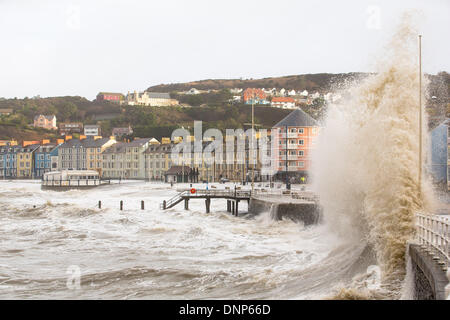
x=254, y=95
x=283, y=102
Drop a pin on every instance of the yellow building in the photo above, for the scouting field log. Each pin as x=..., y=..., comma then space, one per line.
x=24, y=159
x=94, y=149
x=8, y=143
x=165, y=140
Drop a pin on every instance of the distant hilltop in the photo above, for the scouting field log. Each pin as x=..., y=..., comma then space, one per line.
x=320, y=82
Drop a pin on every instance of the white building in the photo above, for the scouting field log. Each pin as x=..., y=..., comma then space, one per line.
x=92, y=130
x=283, y=102
x=192, y=91
x=153, y=99
x=236, y=91
x=315, y=95
x=126, y=160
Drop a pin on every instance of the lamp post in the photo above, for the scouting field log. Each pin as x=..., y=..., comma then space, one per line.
x=253, y=133
x=286, y=160
x=250, y=149
x=420, y=114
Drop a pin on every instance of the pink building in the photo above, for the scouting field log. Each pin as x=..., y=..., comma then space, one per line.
x=294, y=138
x=46, y=122
x=110, y=96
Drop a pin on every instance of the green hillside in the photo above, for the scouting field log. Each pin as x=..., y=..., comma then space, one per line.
x=212, y=108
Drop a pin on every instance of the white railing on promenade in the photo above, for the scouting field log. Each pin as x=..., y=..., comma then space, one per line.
x=294, y=194
x=433, y=236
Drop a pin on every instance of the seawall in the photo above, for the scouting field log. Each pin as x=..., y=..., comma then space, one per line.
x=308, y=212
x=429, y=277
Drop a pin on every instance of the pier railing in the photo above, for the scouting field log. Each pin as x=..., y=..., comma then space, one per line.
x=72, y=182
x=433, y=236
x=262, y=192
x=221, y=193
x=203, y=193
x=294, y=194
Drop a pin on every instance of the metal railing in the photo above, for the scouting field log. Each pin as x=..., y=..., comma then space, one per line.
x=222, y=193
x=175, y=198
x=433, y=236
x=201, y=193
x=70, y=182
x=300, y=195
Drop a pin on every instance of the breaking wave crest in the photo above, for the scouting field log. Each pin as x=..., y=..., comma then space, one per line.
x=366, y=167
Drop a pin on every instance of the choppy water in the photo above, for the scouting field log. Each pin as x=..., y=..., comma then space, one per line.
x=155, y=254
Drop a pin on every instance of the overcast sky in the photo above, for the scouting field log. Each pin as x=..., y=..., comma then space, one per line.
x=55, y=48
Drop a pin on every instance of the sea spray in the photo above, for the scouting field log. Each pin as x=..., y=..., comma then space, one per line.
x=268, y=217
x=365, y=168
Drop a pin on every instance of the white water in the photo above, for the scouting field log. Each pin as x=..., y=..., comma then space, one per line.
x=154, y=253
x=366, y=167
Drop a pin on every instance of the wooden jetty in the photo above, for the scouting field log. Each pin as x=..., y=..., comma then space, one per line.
x=233, y=198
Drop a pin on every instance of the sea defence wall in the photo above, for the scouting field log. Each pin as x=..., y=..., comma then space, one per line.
x=430, y=278
x=308, y=212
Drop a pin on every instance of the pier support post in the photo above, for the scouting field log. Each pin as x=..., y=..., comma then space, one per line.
x=232, y=208
x=121, y=205
x=228, y=206
x=208, y=204
x=142, y=204
x=237, y=208
x=164, y=204
x=99, y=204
x=186, y=204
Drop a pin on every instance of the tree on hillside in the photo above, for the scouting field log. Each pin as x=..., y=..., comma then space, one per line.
x=67, y=111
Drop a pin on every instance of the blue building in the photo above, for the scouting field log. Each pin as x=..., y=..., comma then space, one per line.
x=439, y=149
x=43, y=160
x=8, y=161
x=54, y=157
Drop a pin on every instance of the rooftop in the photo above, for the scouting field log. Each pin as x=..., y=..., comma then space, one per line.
x=297, y=118
x=282, y=99
x=158, y=95
x=85, y=143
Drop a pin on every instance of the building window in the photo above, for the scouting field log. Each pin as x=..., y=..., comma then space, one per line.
x=301, y=164
x=300, y=130
x=301, y=142
x=300, y=153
